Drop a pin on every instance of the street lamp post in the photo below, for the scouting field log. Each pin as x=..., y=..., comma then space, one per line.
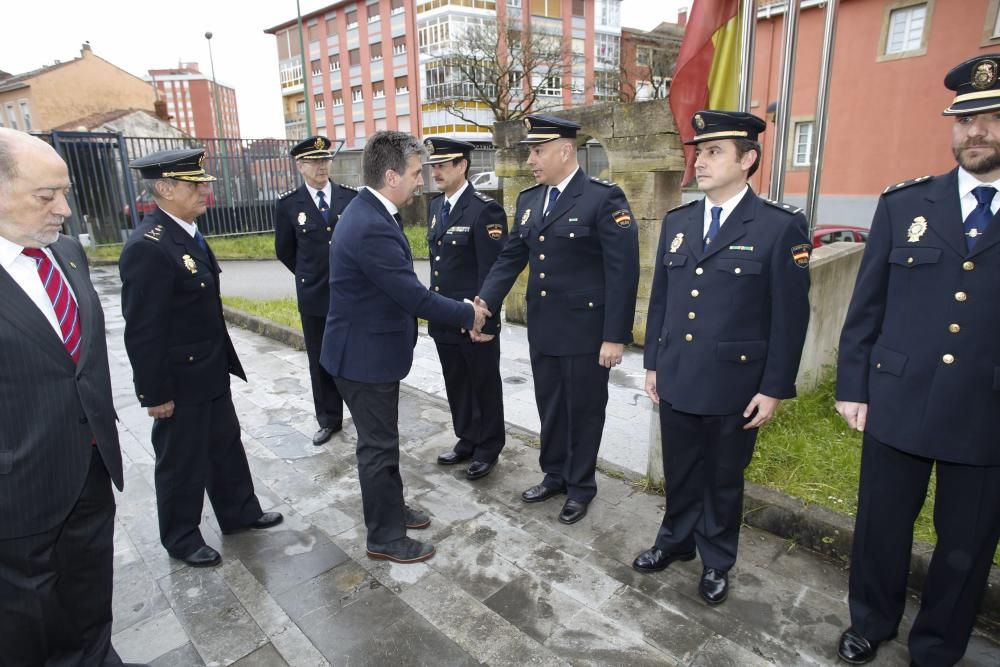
x=218, y=122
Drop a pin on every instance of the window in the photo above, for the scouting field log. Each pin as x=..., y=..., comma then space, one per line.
x=577, y=45
x=337, y=99
x=12, y=115
x=313, y=32
x=354, y=57
x=643, y=55
x=356, y=94
x=316, y=68
x=334, y=63
x=802, y=157
x=397, y=7
x=372, y=12
x=579, y=8
x=551, y=86
x=515, y=80
x=318, y=103
x=514, y=3
x=402, y=85
x=378, y=90
x=606, y=48
x=331, y=25
x=375, y=51
x=351, y=16
x=906, y=29
x=398, y=45
x=548, y=8
x=300, y=106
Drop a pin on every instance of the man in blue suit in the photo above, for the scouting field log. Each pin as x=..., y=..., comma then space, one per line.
x=918, y=373
x=371, y=329
x=728, y=313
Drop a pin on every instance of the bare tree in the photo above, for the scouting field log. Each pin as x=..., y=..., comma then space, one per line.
x=654, y=78
x=509, y=68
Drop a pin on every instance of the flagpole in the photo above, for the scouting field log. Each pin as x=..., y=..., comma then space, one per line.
x=748, y=35
x=784, y=112
x=822, y=111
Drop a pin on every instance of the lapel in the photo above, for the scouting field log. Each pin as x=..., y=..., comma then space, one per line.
x=944, y=217
x=339, y=199
x=81, y=288
x=305, y=202
x=190, y=247
x=735, y=225
x=692, y=229
x=23, y=314
x=565, y=202
x=437, y=231
x=536, y=203
x=380, y=208
x=458, y=212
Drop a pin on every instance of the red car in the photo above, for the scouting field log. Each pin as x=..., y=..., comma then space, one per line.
x=823, y=234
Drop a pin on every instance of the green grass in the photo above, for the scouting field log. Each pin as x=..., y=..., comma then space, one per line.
x=282, y=311
x=256, y=246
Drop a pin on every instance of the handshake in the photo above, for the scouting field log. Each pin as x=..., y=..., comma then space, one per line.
x=482, y=314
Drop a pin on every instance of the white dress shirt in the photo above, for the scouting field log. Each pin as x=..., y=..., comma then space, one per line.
x=452, y=200
x=389, y=206
x=966, y=184
x=727, y=208
x=562, y=189
x=24, y=271
x=188, y=227
x=327, y=193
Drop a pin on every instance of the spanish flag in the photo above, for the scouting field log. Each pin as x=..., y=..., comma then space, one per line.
x=707, y=73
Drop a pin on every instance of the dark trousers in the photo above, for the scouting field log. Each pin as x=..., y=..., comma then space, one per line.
x=967, y=520
x=326, y=399
x=199, y=449
x=375, y=410
x=55, y=586
x=572, y=394
x=703, y=462
x=475, y=396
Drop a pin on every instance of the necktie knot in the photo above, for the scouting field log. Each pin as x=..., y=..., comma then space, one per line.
x=34, y=253
x=553, y=196
x=446, y=209
x=984, y=194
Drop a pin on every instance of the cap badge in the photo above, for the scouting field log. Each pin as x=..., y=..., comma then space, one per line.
x=917, y=229
x=319, y=144
x=699, y=122
x=984, y=75
x=201, y=161
x=527, y=124
x=429, y=145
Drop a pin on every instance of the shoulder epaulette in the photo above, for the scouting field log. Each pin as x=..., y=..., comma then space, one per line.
x=906, y=184
x=352, y=188
x=285, y=195
x=782, y=206
x=154, y=233
x=677, y=208
x=483, y=197
x=602, y=181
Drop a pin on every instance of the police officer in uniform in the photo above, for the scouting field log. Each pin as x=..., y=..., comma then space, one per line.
x=728, y=313
x=304, y=220
x=182, y=356
x=580, y=243
x=467, y=232
x=918, y=373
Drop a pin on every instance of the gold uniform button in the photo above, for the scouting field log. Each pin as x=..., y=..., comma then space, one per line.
x=542, y=276
x=203, y=285
x=141, y=397
x=440, y=242
x=437, y=288
x=743, y=357
x=190, y=358
x=688, y=337
x=438, y=257
x=878, y=365
x=454, y=242
x=909, y=260
x=954, y=328
x=543, y=292
x=590, y=304
x=436, y=273
x=301, y=279
x=948, y=359
x=541, y=258
x=968, y=266
x=695, y=293
x=542, y=238
x=737, y=270
x=329, y=229
x=961, y=296
x=699, y=271
x=691, y=315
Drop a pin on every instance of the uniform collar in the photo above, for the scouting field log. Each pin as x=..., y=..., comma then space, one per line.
x=452, y=200
x=967, y=183
x=727, y=206
x=565, y=183
x=327, y=191
x=188, y=227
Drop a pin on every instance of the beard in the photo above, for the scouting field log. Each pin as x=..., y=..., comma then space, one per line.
x=983, y=164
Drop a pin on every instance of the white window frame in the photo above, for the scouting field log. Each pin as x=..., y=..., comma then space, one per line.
x=906, y=16
x=803, y=135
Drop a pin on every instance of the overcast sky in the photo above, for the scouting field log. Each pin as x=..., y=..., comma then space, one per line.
x=138, y=36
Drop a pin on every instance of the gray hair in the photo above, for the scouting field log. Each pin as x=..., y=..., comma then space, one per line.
x=8, y=165
x=150, y=185
x=387, y=150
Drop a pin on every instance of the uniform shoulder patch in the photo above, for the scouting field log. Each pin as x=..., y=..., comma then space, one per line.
x=622, y=218
x=285, y=195
x=348, y=187
x=906, y=184
x=483, y=197
x=153, y=234
x=603, y=181
x=677, y=208
x=787, y=208
x=800, y=255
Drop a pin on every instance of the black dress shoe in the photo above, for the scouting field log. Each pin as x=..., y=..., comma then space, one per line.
x=714, y=586
x=404, y=550
x=478, y=469
x=266, y=520
x=540, y=492
x=324, y=434
x=415, y=519
x=573, y=511
x=452, y=457
x=857, y=649
x=203, y=556
x=656, y=560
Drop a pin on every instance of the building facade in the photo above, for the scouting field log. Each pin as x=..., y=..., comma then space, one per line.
x=648, y=59
x=191, y=103
x=62, y=92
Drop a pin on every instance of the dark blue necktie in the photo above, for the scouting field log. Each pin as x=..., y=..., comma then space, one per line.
x=201, y=241
x=553, y=196
x=713, y=226
x=980, y=217
x=445, y=210
x=324, y=208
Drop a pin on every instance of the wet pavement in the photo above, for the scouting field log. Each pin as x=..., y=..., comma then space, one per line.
x=509, y=584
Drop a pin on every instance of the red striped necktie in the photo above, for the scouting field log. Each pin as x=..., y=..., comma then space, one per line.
x=65, y=306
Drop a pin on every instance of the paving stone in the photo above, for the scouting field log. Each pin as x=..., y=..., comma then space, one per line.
x=533, y=606
x=592, y=639
x=185, y=656
x=265, y=656
x=476, y=568
x=672, y=632
x=151, y=638
x=720, y=652
x=136, y=596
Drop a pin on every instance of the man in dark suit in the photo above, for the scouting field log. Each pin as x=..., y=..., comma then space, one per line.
x=304, y=220
x=917, y=373
x=467, y=232
x=182, y=356
x=59, y=443
x=370, y=332
x=580, y=243
x=728, y=312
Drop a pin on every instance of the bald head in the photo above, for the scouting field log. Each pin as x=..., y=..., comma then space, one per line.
x=16, y=147
x=34, y=185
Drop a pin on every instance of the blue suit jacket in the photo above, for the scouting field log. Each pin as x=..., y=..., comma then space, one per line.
x=375, y=297
x=921, y=344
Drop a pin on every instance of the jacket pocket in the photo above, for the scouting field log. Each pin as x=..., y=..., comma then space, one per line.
x=586, y=301
x=202, y=281
x=910, y=257
x=190, y=353
x=739, y=267
x=741, y=351
x=571, y=231
x=884, y=360
x=673, y=260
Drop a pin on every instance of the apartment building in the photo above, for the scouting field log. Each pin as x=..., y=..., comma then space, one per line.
x=190, y=98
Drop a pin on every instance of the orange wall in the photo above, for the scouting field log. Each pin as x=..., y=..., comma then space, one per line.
x=885, y=123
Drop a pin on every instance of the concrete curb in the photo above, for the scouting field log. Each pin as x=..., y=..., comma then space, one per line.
x=810, y=526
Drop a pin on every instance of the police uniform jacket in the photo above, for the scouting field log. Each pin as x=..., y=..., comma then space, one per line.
x=375, y=296
x=583, y=261
x=921, y=344
x=728, y=323
x=175, y=333
x=302, y=243
x=462, y=253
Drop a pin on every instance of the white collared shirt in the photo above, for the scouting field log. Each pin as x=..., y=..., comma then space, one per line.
x=389, y=206
x=327, y=192
x=966, y=184
x=188, y=227
x=452, y=200
x=727, y=208
x=24, y=271
x=562, y=188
